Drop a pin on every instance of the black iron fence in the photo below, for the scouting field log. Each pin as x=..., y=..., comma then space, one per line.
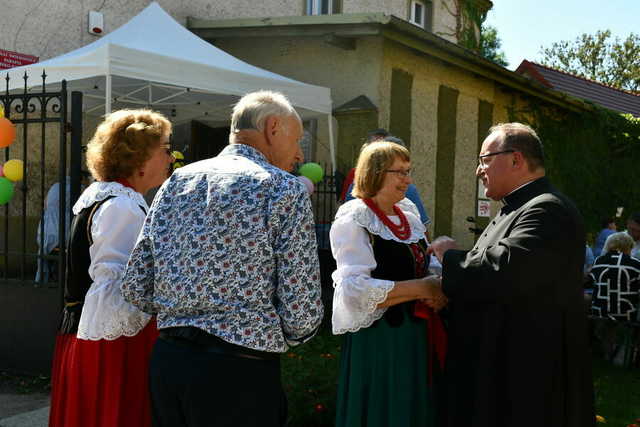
x=324, y=202
x=42, y=200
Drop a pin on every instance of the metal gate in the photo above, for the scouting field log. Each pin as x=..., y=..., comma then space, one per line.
x=33, y=225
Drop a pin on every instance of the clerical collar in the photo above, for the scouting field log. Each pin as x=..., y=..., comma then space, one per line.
x=526, y=192
x=504, y=199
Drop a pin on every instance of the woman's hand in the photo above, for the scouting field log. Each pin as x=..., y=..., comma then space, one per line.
x=427, y=288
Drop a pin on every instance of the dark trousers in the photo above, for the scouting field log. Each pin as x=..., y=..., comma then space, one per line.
x=195, y=387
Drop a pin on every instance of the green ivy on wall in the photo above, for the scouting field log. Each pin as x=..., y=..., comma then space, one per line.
x=469, y=18
x=593, y=157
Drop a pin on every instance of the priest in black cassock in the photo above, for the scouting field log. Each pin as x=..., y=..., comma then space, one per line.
x=518, y=349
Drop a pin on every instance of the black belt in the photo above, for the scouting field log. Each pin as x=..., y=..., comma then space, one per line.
x=198, y=339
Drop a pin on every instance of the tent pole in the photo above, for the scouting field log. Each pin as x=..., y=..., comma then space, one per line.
x=332, y=147
x=107, y=95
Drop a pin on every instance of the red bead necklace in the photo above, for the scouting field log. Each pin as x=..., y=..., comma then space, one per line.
x=402, y=231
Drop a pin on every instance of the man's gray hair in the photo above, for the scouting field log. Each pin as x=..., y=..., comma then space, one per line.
x=251, y=112
x=620, y=242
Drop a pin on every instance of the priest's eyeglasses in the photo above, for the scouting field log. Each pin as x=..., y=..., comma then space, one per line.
x=484, y=160
x=402, y=173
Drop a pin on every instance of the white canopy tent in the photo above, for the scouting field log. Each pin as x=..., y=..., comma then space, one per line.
x=154, y=61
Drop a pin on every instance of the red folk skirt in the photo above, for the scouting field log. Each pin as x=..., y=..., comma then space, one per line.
x=102, y=383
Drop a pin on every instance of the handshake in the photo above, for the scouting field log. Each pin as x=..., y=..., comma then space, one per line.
x=432, y=285
x=431, y=294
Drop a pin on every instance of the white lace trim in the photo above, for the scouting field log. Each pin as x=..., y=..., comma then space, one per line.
x=105, y=313
x=366, y=218
x=375, y=297
x=100, y=190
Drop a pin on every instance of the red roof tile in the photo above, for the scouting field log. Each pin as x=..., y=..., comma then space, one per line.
x=580, y=87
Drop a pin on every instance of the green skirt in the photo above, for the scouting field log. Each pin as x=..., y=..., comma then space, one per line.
x=384, y=377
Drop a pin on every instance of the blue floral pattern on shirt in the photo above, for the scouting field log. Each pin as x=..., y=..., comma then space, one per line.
x=229, y=247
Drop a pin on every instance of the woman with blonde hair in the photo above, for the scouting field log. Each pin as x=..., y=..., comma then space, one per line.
x=384, y=303
x=100, y=366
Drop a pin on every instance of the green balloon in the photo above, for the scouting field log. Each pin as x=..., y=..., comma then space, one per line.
x=313, y=171
x=6, y=190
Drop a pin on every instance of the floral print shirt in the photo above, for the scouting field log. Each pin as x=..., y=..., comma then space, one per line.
x=229, y=247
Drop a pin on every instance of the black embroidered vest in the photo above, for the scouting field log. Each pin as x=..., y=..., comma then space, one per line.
x=396, y=261
x=77, y=280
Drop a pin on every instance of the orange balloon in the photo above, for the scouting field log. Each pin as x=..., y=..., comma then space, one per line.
x=7, y=132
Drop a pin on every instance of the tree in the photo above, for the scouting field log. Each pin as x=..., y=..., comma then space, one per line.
x=598, y=57
x=490, y=44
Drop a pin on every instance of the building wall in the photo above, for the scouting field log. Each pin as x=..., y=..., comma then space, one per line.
x=444, y=19
x=368, y=70
x=429, y=74
x=50, y=28
x=349, y=73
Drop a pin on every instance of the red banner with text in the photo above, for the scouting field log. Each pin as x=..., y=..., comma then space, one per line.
x=9, y=59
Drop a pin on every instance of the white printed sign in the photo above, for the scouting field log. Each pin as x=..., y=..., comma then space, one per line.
x=484, y=208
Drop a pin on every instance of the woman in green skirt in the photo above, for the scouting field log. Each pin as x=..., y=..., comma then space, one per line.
x=384, y=302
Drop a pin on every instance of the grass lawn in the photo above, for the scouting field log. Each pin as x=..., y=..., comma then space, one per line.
x=310, y=378
x=617, y=393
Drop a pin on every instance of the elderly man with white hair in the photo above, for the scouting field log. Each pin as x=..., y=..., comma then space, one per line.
x=227, y=261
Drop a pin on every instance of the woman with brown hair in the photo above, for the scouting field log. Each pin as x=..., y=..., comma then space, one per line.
x=101, y=361
x=384, y=302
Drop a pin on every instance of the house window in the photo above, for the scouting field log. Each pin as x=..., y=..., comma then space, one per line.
x=417, y=14
x=321, y=7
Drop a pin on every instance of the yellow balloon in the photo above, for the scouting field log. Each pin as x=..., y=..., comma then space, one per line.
x=14, y=170
x=179, y=162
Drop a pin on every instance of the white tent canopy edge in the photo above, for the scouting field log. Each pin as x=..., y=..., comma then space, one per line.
x=154, y=61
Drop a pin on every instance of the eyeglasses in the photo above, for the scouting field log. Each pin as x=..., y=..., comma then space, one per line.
x=483, y=163
x=167, y=148
x=400, y=172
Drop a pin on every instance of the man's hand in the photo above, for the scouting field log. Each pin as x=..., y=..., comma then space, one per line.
x=441, y=245
x=436, y=299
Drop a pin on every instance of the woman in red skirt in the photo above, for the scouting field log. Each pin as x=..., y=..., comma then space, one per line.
x=100, y=368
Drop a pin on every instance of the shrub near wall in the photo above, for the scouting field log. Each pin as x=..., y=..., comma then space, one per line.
x=592, y=157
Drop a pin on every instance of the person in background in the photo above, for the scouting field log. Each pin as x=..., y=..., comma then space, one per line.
x=228, y=261
x=633, y=230
x=616, y=294
x=616, y=278
x=48, y=232
x=48, y=229
x=588, y=260
x=374, y=135
x=394, y=343
x=99, y=375
x=608, y=228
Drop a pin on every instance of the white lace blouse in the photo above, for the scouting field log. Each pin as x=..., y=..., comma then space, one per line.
x=356, y=294
x=114, y=229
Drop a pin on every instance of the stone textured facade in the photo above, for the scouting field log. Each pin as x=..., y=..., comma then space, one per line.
x=50, y=28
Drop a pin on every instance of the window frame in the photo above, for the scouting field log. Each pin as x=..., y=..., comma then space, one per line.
x=313, y=7
x=412, y=16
